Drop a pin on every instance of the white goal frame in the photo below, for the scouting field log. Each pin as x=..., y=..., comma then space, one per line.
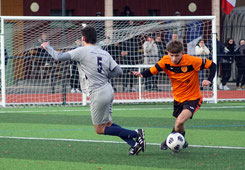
x=213, y=99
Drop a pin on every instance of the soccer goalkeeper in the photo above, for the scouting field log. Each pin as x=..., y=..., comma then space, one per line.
x=99, y=67
x=182, y=70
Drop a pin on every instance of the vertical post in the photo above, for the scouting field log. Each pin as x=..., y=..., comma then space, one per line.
x=3, y=84
x=108, y=13
x=84, y=99
x=140, y=87
x=215, y=96
x=216, y=34
x=64, y=63
x=0, y=8
x=216, y=12
x=63, y=7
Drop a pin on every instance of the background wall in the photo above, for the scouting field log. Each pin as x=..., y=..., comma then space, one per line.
x=140, y=7
x=12, y=7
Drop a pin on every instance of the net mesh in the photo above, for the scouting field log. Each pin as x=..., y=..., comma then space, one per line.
x=33, y=77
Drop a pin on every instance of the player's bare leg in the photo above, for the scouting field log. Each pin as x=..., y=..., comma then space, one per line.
x=181, y=119
x=179, y=126
x=100, y=128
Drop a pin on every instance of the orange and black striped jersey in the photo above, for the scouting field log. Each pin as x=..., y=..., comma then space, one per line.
x=183, y=76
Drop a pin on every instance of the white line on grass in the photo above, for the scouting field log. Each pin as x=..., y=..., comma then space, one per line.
x=101, y=141
x=115, y=109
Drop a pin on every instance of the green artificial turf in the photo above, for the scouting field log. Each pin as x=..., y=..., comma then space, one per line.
x=64, y=138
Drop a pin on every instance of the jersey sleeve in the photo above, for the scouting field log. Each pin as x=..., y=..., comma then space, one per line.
x=200, y=63
x=112, y=63
x=160, y=66
x=208, y=64
x=196, y=63
x=77, y=54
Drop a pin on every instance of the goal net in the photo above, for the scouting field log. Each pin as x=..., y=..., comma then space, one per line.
x=29, y=76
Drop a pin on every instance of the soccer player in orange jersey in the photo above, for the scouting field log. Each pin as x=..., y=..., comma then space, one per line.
x=182, y=70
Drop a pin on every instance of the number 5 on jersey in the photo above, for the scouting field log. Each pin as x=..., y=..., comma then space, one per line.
x=99, y=64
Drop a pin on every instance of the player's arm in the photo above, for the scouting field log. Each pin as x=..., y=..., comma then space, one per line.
x=146, y=73
x=55, y=54
x=117, y=71
x=151, y=71
x=138, y=74
x=212, y=67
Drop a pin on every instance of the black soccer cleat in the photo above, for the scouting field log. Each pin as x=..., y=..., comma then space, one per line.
x=140, y=139
x=164, y=145
x=185, y=145
x=135, y=149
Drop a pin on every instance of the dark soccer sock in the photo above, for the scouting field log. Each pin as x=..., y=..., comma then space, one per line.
x=173, y=130
x=114, y=124
x=182, y=133
x=129, y=141
x=121, y=132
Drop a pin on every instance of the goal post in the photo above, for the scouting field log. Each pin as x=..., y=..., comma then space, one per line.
x=3, y=87
x=32, y=77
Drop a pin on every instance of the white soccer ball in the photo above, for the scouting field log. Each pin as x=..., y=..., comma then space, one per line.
x=175, y=141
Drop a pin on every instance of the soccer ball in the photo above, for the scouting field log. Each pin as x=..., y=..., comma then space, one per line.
x=175, y=141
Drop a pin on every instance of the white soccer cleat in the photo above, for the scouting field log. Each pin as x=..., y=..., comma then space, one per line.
x=125, y=89
x=132, y=89
x=78, y=91
x=141, y=139
x=226, y=87
x=73, y=91
x=221, y=87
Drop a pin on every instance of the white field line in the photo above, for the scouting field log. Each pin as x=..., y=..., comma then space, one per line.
x=113, y=142
x=116, y=109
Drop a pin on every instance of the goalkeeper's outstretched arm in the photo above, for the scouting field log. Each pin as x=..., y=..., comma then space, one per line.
x=55, y=54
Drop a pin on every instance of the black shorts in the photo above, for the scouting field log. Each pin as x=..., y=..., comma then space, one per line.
x=192, y=105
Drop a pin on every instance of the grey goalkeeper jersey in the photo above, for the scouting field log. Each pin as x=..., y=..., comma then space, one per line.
x=95, y=63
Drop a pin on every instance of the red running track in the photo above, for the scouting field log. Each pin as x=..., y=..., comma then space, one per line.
x=77, y=97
